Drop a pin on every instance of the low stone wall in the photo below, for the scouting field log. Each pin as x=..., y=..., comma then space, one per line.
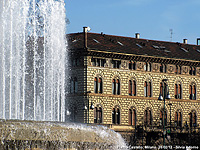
x=49, y=135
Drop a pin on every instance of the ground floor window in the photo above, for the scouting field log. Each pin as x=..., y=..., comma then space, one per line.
x=116, y=115
x=193, y=119
x=132, y=117
x=98, y=114
x=147, y=117
x=163, y=118
x=178, y=119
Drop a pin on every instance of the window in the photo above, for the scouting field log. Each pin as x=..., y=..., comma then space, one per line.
x=116, y=115
x=132, y=117
x=192, y=91
x=162, y=85
x=116, y=86
x=132, y=65
x=193, y=119
x=147, y=66
x=74, y=85
x=98, y=114
x=192, y=71
x=178, y=69
x=147, y=89
x=132, y=88
x=178, y=118
x=73, y=113
x=98, y=62
x=163, y=68
x=163, y=117
x=178, y=90
x=147, y=117
x=116, y=63
x=98, y=85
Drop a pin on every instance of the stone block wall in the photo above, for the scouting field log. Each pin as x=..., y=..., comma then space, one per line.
x=108, y=101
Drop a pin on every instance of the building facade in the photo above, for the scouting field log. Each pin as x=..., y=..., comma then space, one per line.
x=118, y=80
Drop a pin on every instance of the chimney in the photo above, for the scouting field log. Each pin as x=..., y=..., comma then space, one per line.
x=185, y=41
x=198, y=41
x=137, y=35
x=85, y=37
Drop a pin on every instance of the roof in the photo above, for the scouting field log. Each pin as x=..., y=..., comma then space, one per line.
x=129, y=45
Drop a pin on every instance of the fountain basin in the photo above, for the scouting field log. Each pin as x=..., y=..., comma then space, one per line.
x=54, y=135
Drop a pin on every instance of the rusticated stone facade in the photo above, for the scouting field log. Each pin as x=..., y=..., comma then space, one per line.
x=147, y=68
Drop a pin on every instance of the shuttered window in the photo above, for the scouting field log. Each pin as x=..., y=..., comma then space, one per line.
x=145, y=89
x=130, y=87
x=95, y=85
x=134, y=88
x=116, y=115
x=132, y=117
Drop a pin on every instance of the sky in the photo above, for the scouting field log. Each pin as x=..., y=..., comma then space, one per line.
x=163, y=20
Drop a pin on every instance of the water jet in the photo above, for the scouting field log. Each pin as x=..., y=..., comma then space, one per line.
x=33, y=62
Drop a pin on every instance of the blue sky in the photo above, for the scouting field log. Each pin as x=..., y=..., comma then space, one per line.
x=153, y=19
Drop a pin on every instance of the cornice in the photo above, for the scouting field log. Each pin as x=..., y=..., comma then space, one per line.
x=131, y=97
x=144, y=58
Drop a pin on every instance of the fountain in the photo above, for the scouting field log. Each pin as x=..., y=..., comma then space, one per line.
x=33, y=45
x=33, y=59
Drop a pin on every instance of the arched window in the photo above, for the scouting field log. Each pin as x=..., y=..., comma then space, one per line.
x=147, y=89
x=98, y=85
x=132, y=88
x=193, y=119
x=116, y=115
x=178, y=118
x=113, y=86
x=178, y=91
x=147, y=117
x=163, y=117
x=132, y=117
x=98, y=114
x=192, y=91
x=162, y=85
x=95, y=85
x=116, y=86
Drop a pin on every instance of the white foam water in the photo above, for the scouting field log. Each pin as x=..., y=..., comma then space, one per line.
x=32, y=59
